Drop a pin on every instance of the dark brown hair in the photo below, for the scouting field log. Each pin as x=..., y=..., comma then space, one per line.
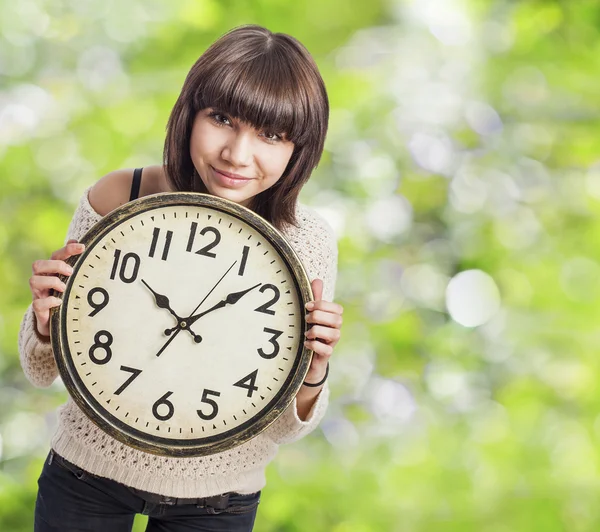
x=268, y=80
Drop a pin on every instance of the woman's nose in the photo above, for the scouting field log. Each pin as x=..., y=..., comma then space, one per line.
x=238, y=150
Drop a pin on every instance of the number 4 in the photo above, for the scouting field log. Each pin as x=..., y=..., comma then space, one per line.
x=248, y=383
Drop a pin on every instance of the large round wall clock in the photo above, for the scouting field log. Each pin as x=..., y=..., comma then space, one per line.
x=181, y=330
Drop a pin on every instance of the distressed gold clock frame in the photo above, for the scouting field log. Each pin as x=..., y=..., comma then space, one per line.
x=138, y=439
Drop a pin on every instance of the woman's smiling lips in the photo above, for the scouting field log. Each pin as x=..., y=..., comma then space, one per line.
x=230, y=180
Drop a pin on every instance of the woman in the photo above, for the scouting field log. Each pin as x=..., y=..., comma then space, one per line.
x=248, y=126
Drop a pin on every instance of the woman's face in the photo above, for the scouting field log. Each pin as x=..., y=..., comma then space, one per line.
x=234, y=160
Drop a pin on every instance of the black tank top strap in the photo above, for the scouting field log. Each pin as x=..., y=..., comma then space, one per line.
x=135, y=184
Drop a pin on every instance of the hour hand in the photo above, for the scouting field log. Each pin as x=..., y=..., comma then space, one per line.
x=163, y=302
x=234, y=297
x=231, y=299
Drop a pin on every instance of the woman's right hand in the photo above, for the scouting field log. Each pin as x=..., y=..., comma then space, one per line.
x=45, y=278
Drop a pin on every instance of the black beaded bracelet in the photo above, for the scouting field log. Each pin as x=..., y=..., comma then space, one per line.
x=316, y=385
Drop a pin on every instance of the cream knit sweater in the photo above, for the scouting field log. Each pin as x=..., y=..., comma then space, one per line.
x=242, y=469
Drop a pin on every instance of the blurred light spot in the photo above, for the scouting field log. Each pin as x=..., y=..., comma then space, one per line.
x=574, y=458
x=432, y=152
x=349, y=155
x=497, y=37
x=438, y=251
x=23, y=432
x=382, y=305
x=495, y=329
x=425, y=285
x=533, y=140
x=16, y=61
x=526, y=86
x=520, y=230
x=570, y=378
x=472, y=298
x=483, y=118
x=580, y=279
x=468, y=193
x=118, y=25
x=367, y=49
x=378, y=175
x=21, y=111
x=389, y=217
x=438, y=104
x=533, y=181
x=340, y=432
x=467, y=237
x=443, y=382
x=15, y=120
x=332, y=207
x=24, y=22
x=354, y=365
x=391, y=401
x=497, y=352
x=445, y=20
x=464, y=391
x=57, y=153
x=98, y=66
x=503, y=193
x=90, y=9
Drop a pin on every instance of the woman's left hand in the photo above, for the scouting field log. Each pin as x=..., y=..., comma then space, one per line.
x=326, y=320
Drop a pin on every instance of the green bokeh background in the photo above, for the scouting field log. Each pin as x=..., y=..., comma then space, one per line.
x=462, y=177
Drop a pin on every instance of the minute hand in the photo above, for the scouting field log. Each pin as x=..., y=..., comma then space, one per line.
x=231, y=299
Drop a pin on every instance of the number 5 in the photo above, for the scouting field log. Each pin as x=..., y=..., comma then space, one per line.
x=212, y=403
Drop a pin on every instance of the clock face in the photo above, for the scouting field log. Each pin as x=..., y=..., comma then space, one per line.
x=182, y=327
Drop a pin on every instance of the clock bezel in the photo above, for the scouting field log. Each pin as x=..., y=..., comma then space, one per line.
x=171, y=446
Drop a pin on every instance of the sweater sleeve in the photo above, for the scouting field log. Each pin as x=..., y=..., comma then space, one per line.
x=315, y=243
x=37, y=359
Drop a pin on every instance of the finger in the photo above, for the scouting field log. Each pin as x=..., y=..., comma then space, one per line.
x=51, y=267
x=331, y=319
x=42, y=306
x=324, y=350
x=317, y=288
x=42, y=284
x=327, y=334
x=327, y=306
x=41, y=309
x=73, y=248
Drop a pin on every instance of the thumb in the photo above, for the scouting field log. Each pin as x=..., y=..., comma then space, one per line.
x=317, y=288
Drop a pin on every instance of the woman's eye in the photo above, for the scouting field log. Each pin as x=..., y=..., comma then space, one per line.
x=271, y=136
x=220, y=118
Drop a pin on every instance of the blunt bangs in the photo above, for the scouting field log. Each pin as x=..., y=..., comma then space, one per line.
x=262, y=92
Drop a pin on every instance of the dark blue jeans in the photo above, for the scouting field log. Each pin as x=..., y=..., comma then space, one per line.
x=72, y=500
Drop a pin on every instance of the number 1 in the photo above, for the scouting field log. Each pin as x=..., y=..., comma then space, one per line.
x=244, y=259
